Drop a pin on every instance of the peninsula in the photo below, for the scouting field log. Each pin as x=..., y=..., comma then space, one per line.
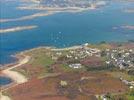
x=93, y=71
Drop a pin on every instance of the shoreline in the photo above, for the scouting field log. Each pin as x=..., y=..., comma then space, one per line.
x=20, y=55
x=42, y=13
x=3, y=97
x=16, y=77
x=23, y=58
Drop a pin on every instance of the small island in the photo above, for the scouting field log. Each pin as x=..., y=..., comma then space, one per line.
x=18, y=28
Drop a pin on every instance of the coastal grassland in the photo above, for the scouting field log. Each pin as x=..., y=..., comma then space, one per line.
x=113, y=45
x=130, y=95
x=80, y=85
x=41, y=60
x=39, y=63
x=57, y=69
x=123, y=74
x=47, y=68
x=66, y=68
x=41, y=57
x=101, y=46
x=125, y=96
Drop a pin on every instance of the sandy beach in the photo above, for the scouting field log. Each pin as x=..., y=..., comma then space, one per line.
x=2, y=97
x=15, y=76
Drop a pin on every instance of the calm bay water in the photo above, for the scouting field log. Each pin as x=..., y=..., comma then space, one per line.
x=64, y=29
x=4, y=80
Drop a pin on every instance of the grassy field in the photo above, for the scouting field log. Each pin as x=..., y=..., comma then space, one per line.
x=39, y=63
x=46, y=69
x=41, y=59
x=102, y=46
x=124, y=75
x=127, y=96
x=130, y=95
x=66, y=68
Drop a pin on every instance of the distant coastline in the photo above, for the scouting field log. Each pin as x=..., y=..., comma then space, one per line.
x=129, y=27
x=18, y=28
x=129, y=11
x=28, y=17
x=44, y=12
x=125, y=27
